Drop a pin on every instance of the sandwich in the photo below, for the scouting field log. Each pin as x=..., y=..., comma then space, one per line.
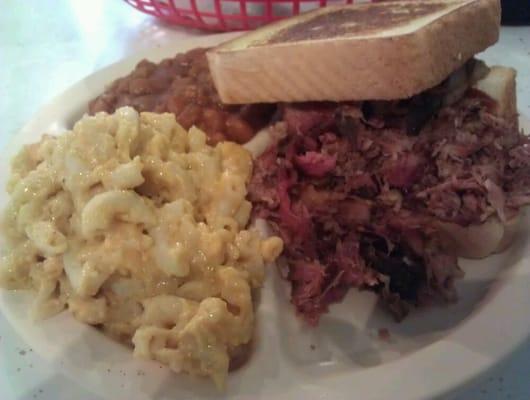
x=393, y=150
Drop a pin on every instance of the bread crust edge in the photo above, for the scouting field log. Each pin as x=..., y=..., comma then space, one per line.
x=379, y=68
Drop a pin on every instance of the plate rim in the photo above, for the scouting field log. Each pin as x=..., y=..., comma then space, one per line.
x=411, y=368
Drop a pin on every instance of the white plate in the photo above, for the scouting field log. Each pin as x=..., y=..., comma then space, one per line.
x=432, y=352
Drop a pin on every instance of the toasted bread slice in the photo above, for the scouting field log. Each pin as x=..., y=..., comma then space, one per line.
x=370, y=51
x=498, y=83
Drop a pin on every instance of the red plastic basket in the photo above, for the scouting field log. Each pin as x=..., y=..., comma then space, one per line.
x=227, y=15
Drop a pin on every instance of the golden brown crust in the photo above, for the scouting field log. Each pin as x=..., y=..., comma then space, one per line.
x=374, y=67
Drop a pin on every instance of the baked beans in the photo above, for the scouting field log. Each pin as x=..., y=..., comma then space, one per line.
x=183, y=86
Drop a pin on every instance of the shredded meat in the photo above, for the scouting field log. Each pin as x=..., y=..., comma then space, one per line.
x=355, y=192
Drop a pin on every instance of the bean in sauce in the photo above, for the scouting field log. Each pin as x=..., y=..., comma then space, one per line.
x=183, y=86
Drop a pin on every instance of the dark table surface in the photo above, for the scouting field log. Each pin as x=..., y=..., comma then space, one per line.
x=515, y=12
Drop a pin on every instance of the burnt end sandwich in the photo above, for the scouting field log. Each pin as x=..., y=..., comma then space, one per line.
x=394, y=151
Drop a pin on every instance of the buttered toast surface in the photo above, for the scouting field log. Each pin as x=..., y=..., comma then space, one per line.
x=371, y=51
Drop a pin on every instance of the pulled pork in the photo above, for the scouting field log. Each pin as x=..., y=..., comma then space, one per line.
x=355, y=190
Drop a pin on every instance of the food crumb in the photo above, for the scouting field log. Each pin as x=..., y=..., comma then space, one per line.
x=312, y=347
x=22, y=352
x=384, y=334
x=18, y=369
x=108, y=370
x=40, y=390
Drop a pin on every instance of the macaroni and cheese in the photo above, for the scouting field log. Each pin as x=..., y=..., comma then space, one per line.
x=139, y=227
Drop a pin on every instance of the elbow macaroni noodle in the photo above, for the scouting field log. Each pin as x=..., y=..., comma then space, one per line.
x=139, y=227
